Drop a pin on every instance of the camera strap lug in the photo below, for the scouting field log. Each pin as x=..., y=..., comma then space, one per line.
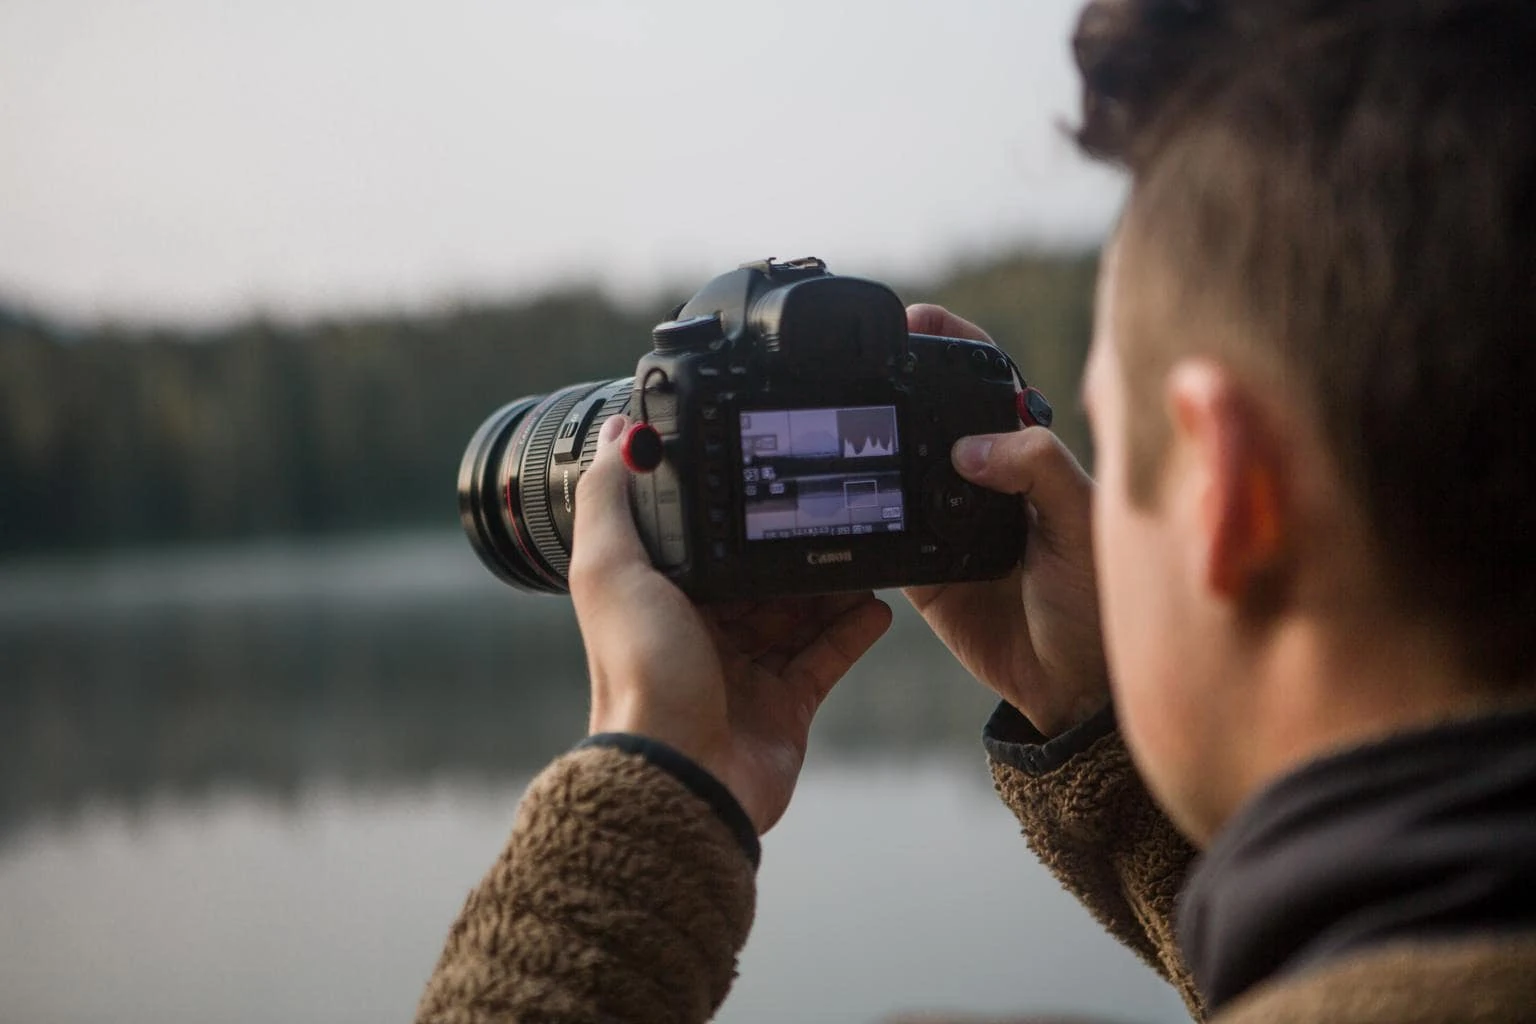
x=642, y=447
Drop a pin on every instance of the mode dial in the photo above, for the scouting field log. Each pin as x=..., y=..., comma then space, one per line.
x=696, y=332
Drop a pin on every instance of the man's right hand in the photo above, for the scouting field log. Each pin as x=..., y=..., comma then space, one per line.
x=1033, y=636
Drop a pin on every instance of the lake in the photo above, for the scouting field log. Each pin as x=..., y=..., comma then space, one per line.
x=254, y=784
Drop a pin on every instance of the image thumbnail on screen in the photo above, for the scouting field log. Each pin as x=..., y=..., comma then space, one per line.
x=821, y=472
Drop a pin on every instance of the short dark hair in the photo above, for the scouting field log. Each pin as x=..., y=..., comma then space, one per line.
x=1354, y=183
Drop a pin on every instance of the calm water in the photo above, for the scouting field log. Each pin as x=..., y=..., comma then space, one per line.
x=250, y=785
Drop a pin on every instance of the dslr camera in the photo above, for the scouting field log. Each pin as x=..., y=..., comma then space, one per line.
x=790, y=437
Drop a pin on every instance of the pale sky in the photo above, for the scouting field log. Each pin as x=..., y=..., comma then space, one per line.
x=189, y=160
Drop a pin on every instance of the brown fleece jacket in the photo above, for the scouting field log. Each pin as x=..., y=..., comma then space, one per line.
x=1094, y=827
x=621, y=896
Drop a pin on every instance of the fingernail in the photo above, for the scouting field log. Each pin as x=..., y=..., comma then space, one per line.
x=970, y=454
x=613, y=426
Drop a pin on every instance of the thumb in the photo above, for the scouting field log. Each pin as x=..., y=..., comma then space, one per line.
x=604, y=538
x=1034, y=464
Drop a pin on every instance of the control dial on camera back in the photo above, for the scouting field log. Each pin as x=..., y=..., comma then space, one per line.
x=952, y=505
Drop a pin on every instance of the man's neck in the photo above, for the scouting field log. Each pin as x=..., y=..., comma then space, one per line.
x=1320, y=689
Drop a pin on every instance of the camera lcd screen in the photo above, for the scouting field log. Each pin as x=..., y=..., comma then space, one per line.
x=821, y=472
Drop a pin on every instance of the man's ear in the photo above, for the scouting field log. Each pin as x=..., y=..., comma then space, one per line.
x=1237, y=469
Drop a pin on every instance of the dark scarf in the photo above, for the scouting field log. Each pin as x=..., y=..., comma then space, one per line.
x=1428, y=835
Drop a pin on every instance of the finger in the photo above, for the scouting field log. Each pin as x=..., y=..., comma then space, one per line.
x=965, y=604
x=732, y=659
x=1033, y=463
x=817, y=668
x=730, y=611
x=604, y=540
x=830, y=606
x=786, y=624
x=749, y=637
x=769, y=625
x=921, y=597
x=821, y=613
x=926, y=318
x=814, y=616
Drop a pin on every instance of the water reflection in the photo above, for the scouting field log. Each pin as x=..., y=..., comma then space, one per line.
x=373, y=664
x=254, y=784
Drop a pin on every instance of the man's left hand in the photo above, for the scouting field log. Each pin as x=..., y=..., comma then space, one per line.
x=732, y=687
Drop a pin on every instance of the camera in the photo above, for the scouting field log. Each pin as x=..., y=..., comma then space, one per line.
x=792, y=438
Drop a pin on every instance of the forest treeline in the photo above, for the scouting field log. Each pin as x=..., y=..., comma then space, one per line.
x=117, y=436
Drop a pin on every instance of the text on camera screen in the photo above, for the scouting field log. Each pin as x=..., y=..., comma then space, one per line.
x=821, y=472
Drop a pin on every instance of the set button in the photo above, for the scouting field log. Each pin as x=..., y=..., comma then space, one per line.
x=957, y=500
x=950, y=502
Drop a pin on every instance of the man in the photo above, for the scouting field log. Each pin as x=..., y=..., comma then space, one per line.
x=1311, y=552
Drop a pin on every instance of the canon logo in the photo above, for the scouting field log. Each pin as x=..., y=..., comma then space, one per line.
x=828, y=557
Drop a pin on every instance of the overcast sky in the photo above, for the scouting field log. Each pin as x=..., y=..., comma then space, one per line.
x=195, y=159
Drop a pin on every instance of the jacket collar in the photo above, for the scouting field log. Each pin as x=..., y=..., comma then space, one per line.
x=1425, y=835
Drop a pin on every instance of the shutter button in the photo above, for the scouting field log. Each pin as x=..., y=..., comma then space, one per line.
x=1034, y=409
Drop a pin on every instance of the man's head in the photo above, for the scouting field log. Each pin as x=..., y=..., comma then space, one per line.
x=1313, y=382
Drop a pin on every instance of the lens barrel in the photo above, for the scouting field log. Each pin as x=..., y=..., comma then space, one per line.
x=517, y=481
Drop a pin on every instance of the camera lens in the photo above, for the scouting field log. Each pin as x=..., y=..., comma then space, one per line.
x=518, y=478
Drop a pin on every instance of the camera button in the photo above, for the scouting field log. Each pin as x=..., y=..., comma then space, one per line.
x=696, y=332
x=1033, y=408
x=958, y=500
x=950, y=499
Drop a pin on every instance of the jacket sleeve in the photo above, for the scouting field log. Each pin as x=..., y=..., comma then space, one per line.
x=621, y=896
x=1087, y=815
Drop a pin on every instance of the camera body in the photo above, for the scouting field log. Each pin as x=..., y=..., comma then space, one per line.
x=805, y=442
